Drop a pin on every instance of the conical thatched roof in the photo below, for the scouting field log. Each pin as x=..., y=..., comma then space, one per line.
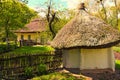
x=86, y=31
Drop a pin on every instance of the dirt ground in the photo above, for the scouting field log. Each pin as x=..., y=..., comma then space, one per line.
x=106, y=75
x=96, y=75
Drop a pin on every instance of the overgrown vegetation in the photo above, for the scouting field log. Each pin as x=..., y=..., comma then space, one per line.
x=117, y=49
x=10, y=20
x=42, y=69
x=29, y=50
x=30, y=61
x=3, y=47
x=28, y=72
x=117, y=64
x=58, y=76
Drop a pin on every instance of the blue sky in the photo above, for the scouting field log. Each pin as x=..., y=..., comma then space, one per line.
x=61, y=4
x=41, y=3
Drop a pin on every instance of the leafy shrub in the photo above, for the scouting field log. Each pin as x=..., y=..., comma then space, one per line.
x=3, y=48
x=29, y=72
x=117, y=49
x=42, y=69
x=117, y=64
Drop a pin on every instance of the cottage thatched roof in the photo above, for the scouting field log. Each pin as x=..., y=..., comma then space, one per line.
x=36, y=25
x=86, y=31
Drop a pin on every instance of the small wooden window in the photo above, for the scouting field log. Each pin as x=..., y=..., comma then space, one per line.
x=22, y=37
x=29, y=37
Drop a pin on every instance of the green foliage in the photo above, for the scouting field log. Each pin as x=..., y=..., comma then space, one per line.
x=16, y=13
x=42, y=69
x=58, y=76
x=4, y=49
x=30, y=50
x=13, y=15
x=28, y=71
x=59, y=24
x=117, y=64
x=117, y=49
x=33, y=49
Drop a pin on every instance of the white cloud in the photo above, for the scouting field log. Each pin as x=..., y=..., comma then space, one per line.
x=72, y=4
x=41, y=11
x=109, y=3
x=119, y=15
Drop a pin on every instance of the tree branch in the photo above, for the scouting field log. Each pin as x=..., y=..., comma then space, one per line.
x=105, y=12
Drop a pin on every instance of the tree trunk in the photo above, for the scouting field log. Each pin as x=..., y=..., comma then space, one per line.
x=53, y=33
x=50, y=19
x=7, y=35
x=7, y=39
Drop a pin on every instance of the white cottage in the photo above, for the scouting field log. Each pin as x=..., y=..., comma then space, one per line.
x=86, y=42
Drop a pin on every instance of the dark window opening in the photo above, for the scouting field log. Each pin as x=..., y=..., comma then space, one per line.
x=29, y=37
x=22, y=37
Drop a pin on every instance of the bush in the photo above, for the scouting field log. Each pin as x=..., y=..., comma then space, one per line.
x=29, y=72
x=3, y=48
x=42, y=69
x=117, y=64
x=116, y=49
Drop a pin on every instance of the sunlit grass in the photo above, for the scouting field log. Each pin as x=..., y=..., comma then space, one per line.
x=58, y=76
x=33, y=49
x=30, y=50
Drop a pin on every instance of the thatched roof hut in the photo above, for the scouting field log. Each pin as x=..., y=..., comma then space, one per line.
x=86, y=31
x=86, y=42
x=36, y=25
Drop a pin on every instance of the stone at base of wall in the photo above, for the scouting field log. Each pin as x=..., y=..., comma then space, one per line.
x=97, y=70
x=78, y=71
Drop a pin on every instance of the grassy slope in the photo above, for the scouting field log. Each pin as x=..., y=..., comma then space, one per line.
x=30, y=50
x=34, y=49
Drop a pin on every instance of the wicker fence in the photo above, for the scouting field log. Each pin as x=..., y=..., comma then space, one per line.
x=10, y=66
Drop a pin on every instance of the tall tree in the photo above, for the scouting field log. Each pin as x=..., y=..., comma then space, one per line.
x=109, y=13
x=116, y=12
x=14, y=15
x=102, y=10
x=51, y=15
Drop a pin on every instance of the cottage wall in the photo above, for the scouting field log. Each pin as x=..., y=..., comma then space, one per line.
x=89, y=58
x=34, y=36
x=97, y=59
x=71, y=58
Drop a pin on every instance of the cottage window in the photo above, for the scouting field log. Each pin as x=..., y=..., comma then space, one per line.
x=29, y=37
x=22, y=37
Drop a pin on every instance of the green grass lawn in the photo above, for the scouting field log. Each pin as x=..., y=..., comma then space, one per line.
x=58, y=76
x=30, y=50
x=33, y=49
